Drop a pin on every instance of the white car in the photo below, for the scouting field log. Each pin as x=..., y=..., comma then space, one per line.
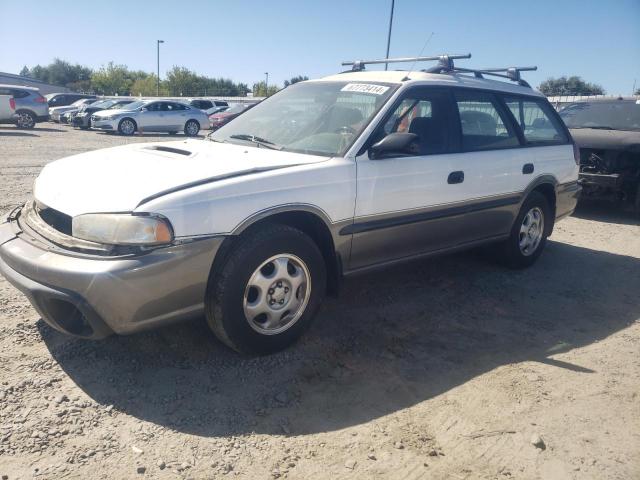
x=324, y=179
x=152, y=116
x=56, y=112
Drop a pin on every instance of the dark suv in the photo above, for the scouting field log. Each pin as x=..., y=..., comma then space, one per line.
x=30, y=106
x=64, y=99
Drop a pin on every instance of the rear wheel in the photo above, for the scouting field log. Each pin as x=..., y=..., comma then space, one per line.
x=267, y=291
x=191, y=128
x=26, y=120
x=127, y=126
x=529, y=232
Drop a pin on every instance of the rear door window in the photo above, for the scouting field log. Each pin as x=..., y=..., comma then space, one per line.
x=483, y=124
x=539, y=126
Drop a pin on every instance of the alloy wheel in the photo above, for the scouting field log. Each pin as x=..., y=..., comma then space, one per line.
x=531, y=231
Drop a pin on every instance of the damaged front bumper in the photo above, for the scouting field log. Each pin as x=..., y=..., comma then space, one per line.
x=92, y=296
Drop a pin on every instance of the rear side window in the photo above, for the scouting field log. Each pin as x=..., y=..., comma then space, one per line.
x=539, y=126
x=484, y=126
x=20, y=94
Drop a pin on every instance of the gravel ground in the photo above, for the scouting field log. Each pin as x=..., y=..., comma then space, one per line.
x=450, y=368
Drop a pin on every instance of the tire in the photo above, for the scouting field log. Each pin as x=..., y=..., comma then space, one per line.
x=26, y=120
x=191, y=128
x=127, y=126
x=529, y=232
x=291, y=269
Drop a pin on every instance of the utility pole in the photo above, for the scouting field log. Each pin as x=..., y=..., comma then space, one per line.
x=386, y=65
x=266, y=85
x=158, y=79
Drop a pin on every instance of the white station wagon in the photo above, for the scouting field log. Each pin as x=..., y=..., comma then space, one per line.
x=324, y=179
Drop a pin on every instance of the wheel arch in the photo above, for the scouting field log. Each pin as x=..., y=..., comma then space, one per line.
x=547, y=186
x=128, y=118
x=307, y=218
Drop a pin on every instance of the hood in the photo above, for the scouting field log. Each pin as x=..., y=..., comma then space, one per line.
x=66, y=108
x=606, y=139
x=119, y=179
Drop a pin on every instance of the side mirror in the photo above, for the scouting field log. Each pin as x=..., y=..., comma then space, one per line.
x=396, y=143
x=144, y=109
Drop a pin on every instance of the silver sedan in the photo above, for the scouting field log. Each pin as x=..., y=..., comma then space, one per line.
x=152, y=116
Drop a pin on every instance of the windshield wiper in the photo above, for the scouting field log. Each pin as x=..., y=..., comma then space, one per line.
x=261, y=142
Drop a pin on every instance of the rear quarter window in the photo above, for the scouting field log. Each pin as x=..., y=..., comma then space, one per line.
x=539, y=125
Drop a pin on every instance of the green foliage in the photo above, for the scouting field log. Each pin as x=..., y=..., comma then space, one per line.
x=299, y=78
x=60, y=72
x=112, y=80
x=260, y=89
x=118, y=79
x=569, y=86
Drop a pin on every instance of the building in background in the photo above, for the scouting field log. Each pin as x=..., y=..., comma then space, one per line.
x=45, y=88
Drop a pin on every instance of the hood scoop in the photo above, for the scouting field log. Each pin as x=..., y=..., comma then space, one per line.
x=163, y=148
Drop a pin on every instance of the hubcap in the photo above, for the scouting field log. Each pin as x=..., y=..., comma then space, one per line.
x=531, y=231
x=25, y=120
x=192, y=128
x=127, y=127
x=277, y=294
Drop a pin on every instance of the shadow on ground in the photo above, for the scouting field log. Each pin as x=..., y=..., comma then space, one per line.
x=392, y=339
x=609, y=212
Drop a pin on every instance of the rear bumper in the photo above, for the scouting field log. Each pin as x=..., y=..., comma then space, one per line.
x=92, y=297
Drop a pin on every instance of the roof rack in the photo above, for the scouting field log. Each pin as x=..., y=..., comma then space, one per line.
x=446, y=65
x=359, y=65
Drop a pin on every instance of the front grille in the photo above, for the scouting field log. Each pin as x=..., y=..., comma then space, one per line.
x=58, y=220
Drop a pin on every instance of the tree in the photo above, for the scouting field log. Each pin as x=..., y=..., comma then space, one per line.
x=299, y=78
x=260, y=90
x=112, y=80
x=25, y=72
x=148, y=86
x=60, y=72
x=569, y=86
x=182, y=81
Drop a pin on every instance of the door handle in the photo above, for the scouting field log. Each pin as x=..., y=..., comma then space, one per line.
x=527, y=168
x=455, y=177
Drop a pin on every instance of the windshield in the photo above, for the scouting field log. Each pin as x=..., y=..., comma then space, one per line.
x=133, y=106
x=618, y=115
x=79, y=103
x=115, y=105
x=317, y=118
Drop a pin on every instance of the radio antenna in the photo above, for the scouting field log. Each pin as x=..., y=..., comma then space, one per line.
x=419, y=55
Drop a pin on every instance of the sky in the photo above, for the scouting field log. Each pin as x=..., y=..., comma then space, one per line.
x=243, y=39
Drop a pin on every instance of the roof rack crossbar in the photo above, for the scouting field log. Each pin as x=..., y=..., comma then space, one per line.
x=510, y=73
x=444, y=61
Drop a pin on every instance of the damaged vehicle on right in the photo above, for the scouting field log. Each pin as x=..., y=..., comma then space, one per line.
x=607, y=132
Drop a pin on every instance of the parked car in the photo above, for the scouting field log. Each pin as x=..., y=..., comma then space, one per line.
x=56, y=112
x=30, y=106
x=7, y=108
x=207, y=104
x=64, y=99
x=252, y=227
x=152, y=116
x=213, y=110
x=219, y=119
x=83, y=118
x=608, y=135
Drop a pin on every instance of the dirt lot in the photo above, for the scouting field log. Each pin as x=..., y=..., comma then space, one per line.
x=446, y=368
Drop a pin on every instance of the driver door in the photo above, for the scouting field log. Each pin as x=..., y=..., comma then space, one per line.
x=399, y=207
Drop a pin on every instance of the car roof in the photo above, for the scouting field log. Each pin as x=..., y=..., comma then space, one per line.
x=404, y=77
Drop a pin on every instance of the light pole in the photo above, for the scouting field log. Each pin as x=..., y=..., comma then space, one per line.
x=266, y=84
x=158, y=79
x=386, y=65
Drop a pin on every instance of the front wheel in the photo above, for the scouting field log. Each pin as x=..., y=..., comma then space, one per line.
x=529, y=232
x=26, y=120
x=191, y=128
x=267, y=291
x=127, y=126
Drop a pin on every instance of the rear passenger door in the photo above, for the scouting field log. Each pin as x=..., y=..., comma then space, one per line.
x=175, y=116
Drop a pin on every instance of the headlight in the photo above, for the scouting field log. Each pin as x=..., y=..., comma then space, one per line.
x=122, y=229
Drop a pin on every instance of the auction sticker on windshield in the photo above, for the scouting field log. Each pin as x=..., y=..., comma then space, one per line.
x=364, y=88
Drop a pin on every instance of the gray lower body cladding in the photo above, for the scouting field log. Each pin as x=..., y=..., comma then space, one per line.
x=94, y=297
